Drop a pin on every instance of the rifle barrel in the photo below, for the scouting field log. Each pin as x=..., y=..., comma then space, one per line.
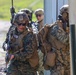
x=12, y=3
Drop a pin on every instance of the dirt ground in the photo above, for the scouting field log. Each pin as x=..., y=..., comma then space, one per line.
x=3, y=30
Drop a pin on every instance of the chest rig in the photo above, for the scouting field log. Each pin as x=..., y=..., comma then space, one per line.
x=16, y=41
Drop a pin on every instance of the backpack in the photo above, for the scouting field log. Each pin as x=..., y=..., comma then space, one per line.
x=49, y=55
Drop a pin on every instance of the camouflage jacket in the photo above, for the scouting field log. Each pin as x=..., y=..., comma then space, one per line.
x=54, y=37
x=22, y=45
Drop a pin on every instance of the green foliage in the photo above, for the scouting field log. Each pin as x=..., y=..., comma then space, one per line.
x=5, y=6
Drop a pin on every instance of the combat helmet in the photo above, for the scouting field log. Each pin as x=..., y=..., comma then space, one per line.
x=20, y=17
x=64, y=8
x=27, y=11
x=39, y=11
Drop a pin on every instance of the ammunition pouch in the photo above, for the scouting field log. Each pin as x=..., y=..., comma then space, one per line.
x=34, y=60
x=50, y=59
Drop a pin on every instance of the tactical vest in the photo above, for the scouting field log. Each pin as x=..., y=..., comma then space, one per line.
x=16, y=41
x=17, y=44
x=57, y=40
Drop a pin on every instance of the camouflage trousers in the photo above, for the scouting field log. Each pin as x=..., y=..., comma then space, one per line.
x=20, y=68
x=41, y=67
x=60, y=69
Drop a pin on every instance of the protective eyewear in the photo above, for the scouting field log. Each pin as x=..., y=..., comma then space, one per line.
x=21, y=24
x=38, y=15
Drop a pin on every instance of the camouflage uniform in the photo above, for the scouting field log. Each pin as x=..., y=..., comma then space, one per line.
x=20, y=63
x=61, y=44
x=55, y=38
x=36, y=27
x=23, y=46
x=58, y=39
x=64, y=17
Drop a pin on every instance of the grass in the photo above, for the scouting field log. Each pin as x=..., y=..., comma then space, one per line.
x=18, y=4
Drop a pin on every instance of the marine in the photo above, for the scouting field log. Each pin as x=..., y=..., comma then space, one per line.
x=23, y=56
x=55, y=39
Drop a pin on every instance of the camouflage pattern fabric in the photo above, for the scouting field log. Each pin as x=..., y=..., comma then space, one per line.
x=60, y=69
x=20, y=68
x=61, y=44
x=58, y=39
x=20, y=64
x=36, y=27
x=41, y=67
x=60, y=34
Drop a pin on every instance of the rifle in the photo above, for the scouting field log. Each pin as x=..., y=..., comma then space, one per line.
x=12, y=11
x=30, y=18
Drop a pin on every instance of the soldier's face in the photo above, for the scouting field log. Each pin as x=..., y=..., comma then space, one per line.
x=21, y=27
x=65, y=16
x=40, y=17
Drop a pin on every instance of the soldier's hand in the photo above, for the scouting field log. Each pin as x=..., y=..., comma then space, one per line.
x=4, y=46
x=12, y=56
